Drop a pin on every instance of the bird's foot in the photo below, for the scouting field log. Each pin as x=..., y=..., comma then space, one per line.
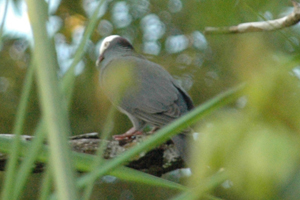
x=131, y=132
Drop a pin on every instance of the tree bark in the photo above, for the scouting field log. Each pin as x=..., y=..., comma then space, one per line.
x=157, y=161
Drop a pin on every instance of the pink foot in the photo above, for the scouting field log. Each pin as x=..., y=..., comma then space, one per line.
x=131, y=132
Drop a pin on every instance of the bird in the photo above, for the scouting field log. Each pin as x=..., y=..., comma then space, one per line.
x=141, y=89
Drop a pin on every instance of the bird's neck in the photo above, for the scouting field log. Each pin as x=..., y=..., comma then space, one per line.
x=118, y=53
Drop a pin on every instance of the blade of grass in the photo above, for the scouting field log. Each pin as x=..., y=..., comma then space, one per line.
x=99, y=155
x=165, y=133
x=52, y=104
x=3, y=20
x=84, y=162
x=69, y=78
x=124, y=172
x=11, y=166
x=132, y=175
x=201, y=189
x=66, y=86
x=28, y=161
x=46, y=185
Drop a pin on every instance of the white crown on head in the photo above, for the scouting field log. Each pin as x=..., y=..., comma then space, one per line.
x=105, y=43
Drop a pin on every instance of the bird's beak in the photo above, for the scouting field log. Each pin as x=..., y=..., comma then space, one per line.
x=99, y=60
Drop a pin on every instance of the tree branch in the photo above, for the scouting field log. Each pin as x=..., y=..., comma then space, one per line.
x=156, y=162
x=270, y=25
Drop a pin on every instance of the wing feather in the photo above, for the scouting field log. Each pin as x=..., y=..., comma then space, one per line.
x=153, y=94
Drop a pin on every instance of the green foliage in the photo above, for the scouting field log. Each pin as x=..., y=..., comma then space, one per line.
x=256, y=146
x=247, y=150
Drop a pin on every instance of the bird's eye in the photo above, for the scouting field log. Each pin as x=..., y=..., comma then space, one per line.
x=106, y=44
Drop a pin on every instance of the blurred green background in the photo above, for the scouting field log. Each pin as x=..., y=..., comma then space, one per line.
x=256, y=138
x=167, y=32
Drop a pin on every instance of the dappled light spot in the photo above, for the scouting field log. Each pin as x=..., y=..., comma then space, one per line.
x=152, y=48
x=174, y=6
x=152, y=27
x=175, y=44
x=199, y=41
x=120, y=14
x=105, y=28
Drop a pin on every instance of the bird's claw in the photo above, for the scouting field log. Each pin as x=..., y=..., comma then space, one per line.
x=128, y=135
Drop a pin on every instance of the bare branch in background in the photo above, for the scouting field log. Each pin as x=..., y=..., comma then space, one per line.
x=270, y=25
x=158, y=161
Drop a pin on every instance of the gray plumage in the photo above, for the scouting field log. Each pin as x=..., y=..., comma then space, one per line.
x=144, y=91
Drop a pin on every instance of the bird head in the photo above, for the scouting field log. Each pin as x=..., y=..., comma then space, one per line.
x=113, y=42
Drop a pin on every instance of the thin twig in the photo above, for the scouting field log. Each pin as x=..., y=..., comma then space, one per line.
x=270, y=25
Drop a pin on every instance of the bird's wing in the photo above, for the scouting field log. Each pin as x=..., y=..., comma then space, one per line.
x=152, y=93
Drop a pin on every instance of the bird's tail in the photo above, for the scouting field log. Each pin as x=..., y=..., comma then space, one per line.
x=181, y=143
